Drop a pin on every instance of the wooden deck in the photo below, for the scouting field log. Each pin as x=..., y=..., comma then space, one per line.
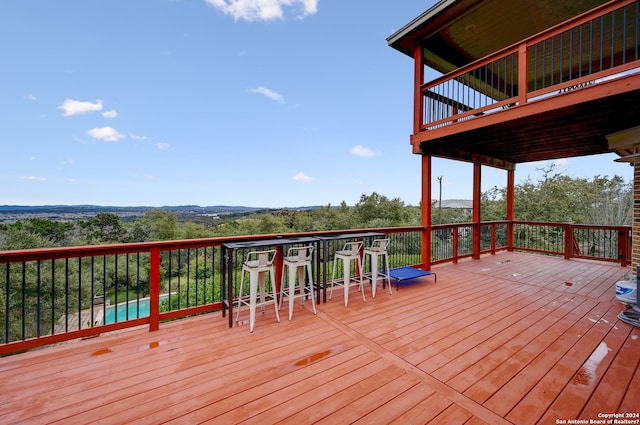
x=510, y=338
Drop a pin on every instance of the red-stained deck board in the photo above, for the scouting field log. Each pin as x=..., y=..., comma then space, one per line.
x=333, y=401
x=614, y=388
x=574, y=396
x=493, y=345
x=475, y=327
x=540, y=398
x=498, y=365
x=509, y=383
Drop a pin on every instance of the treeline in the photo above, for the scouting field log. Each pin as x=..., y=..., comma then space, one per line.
x=553, y=198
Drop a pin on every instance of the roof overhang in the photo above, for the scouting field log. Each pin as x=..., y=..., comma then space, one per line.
x=454, y=33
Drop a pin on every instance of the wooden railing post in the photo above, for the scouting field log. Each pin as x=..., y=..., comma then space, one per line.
x=493, y=238
x=456, y=244
x=568, y=241
x=279, y=269
x=522, y=74
x=154, y=289
x=623, y=243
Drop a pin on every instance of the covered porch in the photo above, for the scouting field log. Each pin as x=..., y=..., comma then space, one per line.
x=509, y=338
x=522, y=82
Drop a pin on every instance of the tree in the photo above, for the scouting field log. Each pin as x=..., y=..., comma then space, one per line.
x=20, y=237
x=611, y=202
x=103, y=228
x=54, y=231
x=378, y=211
x=155, y=225
x=559, y=198
x=493, y=204
x=192, y=230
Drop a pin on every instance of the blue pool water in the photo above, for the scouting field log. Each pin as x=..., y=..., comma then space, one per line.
x=137, y=308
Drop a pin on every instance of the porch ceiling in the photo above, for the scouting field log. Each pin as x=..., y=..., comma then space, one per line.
x=457, y=32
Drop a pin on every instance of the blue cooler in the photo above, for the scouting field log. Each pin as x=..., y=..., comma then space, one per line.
x=627, y=292
x=629, y=297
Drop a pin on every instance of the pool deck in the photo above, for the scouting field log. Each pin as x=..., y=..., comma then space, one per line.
x=507, y=339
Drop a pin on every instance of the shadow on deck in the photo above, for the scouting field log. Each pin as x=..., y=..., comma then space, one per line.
x=510, y=338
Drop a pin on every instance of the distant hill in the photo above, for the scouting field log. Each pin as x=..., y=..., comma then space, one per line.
x=100, y=208
x=13, y=213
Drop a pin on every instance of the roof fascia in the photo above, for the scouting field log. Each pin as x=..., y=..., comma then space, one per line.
x=431, y=13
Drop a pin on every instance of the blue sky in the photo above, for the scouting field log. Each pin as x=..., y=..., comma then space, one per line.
x=266, y=103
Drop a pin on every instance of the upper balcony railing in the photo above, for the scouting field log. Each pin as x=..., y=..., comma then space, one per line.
x=592, y=48
x=48, y=296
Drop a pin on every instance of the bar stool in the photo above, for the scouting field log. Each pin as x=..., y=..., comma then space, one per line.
x=257, y=264
x=297, y=259
x=378, y=249
x=350, y=252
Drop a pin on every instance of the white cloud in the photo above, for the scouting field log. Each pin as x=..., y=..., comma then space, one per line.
x=264, y=10
x=136, y=137
x=107, y=134
x=536, y=163
x=75, y=107
x=363, y=152
x=33, y=178
x=302, y=177
x=110, y=114
x=561, y=162
x=163, y=146
x=269, y=93
x=30, y=97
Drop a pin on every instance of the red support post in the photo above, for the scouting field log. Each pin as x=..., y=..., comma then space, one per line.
x=418, y=79
x=510, y=207
x=425, y=252
x=477, y=177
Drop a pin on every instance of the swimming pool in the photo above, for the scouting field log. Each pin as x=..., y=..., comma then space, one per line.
x=136, y=309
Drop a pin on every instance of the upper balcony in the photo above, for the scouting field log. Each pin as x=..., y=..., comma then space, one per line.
x=525, y=82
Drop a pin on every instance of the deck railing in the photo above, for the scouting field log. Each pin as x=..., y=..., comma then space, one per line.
x=604, y=243
x=591, y=48
x=49, y=296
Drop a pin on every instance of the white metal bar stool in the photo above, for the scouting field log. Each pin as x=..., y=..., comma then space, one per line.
x=257, y=264
x=297, y=260
x=350, y=252
x=378, y=249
